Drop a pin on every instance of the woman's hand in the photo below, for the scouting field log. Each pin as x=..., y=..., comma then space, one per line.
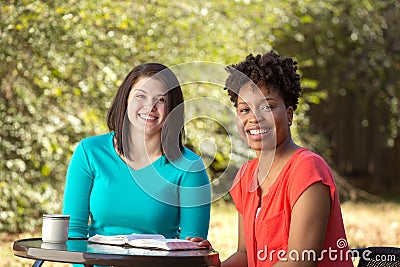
x=201, y=242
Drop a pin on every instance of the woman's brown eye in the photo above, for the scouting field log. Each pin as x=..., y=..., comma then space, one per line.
x=266, y=107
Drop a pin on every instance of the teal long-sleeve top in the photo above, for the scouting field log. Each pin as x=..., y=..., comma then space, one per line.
x=103, y=195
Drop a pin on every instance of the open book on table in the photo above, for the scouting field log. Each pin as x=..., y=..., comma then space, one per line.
x=145, y=241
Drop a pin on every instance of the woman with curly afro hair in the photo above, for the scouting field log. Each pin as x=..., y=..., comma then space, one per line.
x=288, y=208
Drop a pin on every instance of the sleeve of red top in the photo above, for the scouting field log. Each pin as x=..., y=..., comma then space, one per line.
x=308, y=169
x=236, y=190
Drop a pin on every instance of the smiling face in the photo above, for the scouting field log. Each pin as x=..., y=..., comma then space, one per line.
x=263, y=120
x=147, y=106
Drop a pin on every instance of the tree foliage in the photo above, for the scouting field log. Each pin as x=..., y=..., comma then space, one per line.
x=61, y=63
x=352, y=50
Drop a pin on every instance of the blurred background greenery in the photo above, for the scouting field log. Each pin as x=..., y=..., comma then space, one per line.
x=61, y=63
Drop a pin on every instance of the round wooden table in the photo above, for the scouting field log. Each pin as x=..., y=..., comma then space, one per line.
x=87, y=253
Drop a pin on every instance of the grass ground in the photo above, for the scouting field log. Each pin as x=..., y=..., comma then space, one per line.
x=366, y=224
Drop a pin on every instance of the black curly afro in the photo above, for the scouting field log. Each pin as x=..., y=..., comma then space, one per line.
x=268, y=70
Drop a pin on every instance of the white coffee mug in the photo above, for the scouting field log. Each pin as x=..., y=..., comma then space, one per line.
x=55, y=228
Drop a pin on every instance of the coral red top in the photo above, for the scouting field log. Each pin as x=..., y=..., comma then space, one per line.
x=267, y=233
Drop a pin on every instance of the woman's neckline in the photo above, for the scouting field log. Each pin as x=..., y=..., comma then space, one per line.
x=120, y=158
x=278, y=178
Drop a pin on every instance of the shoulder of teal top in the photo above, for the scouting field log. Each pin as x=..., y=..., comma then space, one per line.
x=189, y=161
x=97, y=139
x=189, y=154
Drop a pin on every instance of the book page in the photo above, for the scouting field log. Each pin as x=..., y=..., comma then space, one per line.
x=144, y=236
x=122, y=239
x=165, y=244
x=152, y=241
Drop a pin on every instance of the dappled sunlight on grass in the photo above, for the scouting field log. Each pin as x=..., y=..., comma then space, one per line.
x=7, y=257
x=223, y=228
x=369, y=224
